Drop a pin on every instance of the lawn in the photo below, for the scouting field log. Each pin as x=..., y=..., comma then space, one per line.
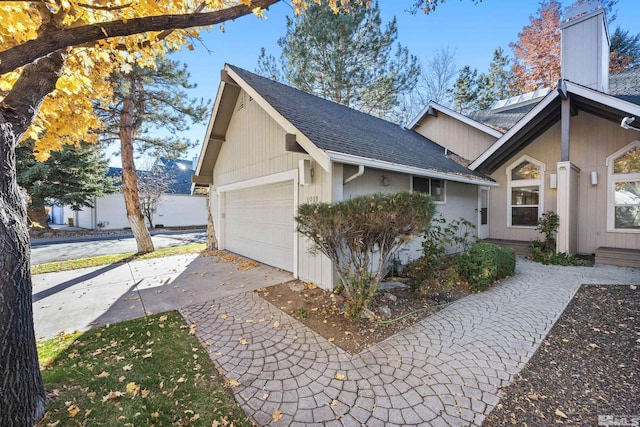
x=145, y=372
x=98, y=261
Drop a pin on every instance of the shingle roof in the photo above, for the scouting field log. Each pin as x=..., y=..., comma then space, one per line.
x=179, y=172
x=334, y=127
x=501, y=120
x=626, y=85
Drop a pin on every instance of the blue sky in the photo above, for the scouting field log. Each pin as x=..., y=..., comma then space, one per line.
x=472, y=31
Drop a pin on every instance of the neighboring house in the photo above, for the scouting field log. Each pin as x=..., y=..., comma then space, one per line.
x=176, y=208
x=574, y=150
x=270, y=148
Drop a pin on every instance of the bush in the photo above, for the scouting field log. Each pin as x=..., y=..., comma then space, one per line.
x=432, y=282
x=486, y=263
x=361, y=235
x=550, y=257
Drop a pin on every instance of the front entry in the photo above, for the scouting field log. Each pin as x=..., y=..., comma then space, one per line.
x=483, y=212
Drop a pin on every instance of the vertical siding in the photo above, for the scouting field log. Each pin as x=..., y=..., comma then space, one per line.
x=255, y=147
x=371, y=182
x=462, y=139
x=592, y=140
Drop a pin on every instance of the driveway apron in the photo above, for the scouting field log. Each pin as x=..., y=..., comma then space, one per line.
x=444, y=371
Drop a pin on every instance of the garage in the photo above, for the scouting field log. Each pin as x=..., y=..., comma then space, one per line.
x=259, y=224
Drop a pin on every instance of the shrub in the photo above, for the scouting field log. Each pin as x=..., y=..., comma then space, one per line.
x=486, y=263
x=549, y=257
x=428, y=277
x=361, y=235
x=548, y=225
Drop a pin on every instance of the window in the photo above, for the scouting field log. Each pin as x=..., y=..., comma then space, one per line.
x=624, y=189
x=432, y=186
x=525, y=178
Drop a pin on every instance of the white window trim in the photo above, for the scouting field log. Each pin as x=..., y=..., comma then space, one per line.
x=612, y=179
x=525, y=183
x=437, y=202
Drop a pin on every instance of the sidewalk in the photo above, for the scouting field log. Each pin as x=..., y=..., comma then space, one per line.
x=444, y=371
x=79, y=299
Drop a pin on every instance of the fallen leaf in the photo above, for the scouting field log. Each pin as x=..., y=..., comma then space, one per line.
x=131, y=387
x=127, y=367
x=102, y=374
x=594, y=346
x=339, y=376
x=276, y=324
x=331, y=339
x=196, y=417
x=277, y=415
x=163, y=318
x=234, y=383
x=633, y=287
x=155, y=415
x=73, y=411
x=334, y=402
x=224, y=317
x=182, y=379
x=561, y=414
x=243, y=341
x=112, y=395
x=192, y=329
x=144, y=393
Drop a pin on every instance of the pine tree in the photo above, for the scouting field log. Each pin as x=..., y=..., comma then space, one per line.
x=496, y=84
x=465, y=90
x=73, y=176
x=346, y=58
x=625, y=50
x=147, y=99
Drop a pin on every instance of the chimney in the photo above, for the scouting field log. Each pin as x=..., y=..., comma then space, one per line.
x=585, y=46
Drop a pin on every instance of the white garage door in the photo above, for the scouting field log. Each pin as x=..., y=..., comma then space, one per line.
x=259, y=223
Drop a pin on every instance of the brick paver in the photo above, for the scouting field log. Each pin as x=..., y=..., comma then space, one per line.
x=444, y=371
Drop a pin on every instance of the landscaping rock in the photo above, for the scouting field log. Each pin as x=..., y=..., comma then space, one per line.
x=384, y=311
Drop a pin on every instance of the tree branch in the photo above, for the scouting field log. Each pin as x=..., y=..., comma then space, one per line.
x=52, y=41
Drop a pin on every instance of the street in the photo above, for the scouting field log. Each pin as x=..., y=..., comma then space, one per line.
x=43, y=252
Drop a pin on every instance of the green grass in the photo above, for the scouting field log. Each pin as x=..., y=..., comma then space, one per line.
x=116, y=258
x=144, y=372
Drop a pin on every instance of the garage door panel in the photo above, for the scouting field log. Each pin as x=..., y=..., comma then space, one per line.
x=259, y=223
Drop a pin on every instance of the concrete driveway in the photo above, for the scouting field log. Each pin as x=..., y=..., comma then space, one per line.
x=80, y=299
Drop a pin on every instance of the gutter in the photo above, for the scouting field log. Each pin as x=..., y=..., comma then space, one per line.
x=411, y=170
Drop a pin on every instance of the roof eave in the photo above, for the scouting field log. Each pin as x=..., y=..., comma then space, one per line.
x=335, y=156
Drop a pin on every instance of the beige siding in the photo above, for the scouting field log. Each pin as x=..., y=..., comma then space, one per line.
x=371, y=182
x=592, y=140
x=254, y=148
x=462, y=139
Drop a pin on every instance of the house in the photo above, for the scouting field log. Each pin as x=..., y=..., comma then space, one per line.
x=176, y=208
x=574, y=150
x=270, y=147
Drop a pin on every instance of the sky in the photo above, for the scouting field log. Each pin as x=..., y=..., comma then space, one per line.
x=472, y=31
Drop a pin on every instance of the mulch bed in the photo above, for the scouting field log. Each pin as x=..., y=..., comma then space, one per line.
x=588, y=366
x=320, y=311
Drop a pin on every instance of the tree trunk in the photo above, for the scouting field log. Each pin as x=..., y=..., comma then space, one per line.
x=130, y=180
x=22, y=396
x=212, y=242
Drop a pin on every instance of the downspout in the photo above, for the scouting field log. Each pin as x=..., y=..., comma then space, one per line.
x=355, y=175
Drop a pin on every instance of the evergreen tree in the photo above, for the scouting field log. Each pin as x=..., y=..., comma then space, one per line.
x=465, y=90
x=625, y=50
x=147, y=99
x=72, y=176
x=496, y=84
x=347, y=58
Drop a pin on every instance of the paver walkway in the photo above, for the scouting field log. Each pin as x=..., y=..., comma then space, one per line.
x=443, y=371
